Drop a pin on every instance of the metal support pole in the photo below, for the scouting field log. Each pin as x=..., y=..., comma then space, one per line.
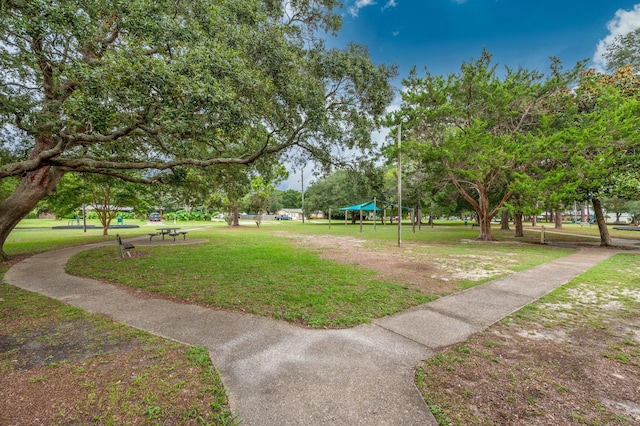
x=399, y=186
x=302, y=202
x=374, y=213
x=413, y=219
x=84, y=217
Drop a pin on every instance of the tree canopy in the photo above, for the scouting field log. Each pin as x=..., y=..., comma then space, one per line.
x=625, y=50
x=106, y=87
x=474, y=128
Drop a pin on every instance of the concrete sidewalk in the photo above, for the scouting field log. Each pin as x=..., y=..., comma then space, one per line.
x=277, y=373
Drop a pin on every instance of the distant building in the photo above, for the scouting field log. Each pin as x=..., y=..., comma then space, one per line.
x=295, y=214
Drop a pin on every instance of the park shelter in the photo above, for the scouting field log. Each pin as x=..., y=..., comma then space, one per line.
x=369, y=206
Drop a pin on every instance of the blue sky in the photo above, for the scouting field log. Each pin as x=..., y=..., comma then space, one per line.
x=441, y=34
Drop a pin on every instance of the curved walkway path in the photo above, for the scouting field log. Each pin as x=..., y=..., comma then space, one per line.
x=278, y=374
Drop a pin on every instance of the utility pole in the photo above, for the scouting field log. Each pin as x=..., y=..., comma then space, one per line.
x=399, y=186
x=302, y=203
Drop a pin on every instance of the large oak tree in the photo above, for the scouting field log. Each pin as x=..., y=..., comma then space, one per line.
x=108, y=86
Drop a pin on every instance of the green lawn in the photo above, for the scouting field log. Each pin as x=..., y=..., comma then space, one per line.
x=262, y=271
x=255, y=271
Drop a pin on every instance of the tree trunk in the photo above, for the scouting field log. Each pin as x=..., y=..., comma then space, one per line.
x=33, y=187
x=504, y=220
x=558, y=217
x=234, y=220
x=534, y=220
x=605, y=238
x=485, y=229
x=484, y=220
x=481, y=205
x=517, y=221
x=583, y=214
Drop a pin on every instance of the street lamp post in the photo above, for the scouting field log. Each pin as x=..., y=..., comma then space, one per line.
x=399, y=186
x=302, y=202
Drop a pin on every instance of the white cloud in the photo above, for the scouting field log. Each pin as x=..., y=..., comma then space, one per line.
x=353, y=10
x=623, y=22
x=390, y=3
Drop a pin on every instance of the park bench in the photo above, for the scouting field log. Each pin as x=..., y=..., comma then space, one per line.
x=176, y=233
x=153, y=234
x=124, y=247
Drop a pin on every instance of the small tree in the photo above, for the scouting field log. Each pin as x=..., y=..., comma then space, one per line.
x=624, y=51
x=106, y=196
x=262, y=189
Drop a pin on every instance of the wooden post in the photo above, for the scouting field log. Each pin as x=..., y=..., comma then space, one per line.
x=413, y=219
x=374, y=213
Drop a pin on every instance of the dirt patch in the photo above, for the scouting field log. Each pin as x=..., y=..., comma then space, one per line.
x=572, y=362
x=59, y=366
x=412, y=265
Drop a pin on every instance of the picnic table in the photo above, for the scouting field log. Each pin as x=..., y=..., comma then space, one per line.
x=171, y=231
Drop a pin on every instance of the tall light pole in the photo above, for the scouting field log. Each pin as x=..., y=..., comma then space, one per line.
x=302, y=202
x=399, y=186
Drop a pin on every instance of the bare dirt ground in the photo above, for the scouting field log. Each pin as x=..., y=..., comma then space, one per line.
x=574, y=362
x=409, y=266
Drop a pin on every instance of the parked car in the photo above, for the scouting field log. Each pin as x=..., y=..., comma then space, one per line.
x=154, y=217
x=283, y=217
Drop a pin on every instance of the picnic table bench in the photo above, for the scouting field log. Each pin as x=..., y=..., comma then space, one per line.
x=176, y=233
x=124, y=247
x=172, y=232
